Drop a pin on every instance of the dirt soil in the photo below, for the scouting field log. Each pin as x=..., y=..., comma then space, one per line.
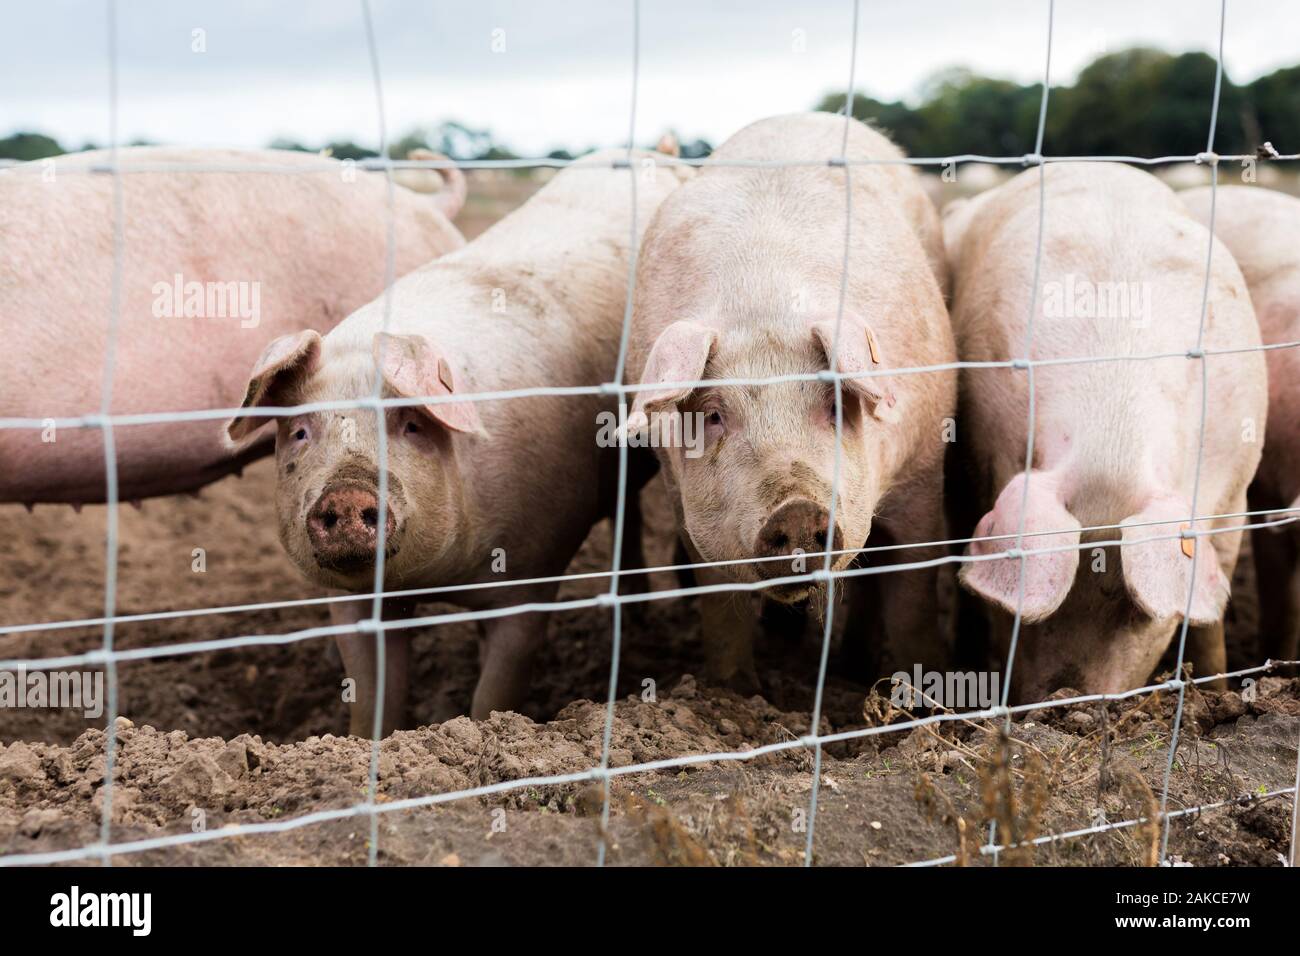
x=229, y=738
x=257, y=734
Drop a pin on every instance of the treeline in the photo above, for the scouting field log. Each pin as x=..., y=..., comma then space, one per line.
x=1139, y=102
x=451, y=138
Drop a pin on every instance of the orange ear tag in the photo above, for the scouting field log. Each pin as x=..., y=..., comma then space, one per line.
x=871, y=344
x=1189, y=544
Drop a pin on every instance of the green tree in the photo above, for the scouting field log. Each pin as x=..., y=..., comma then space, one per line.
x=1273, y=111
x=26, y=147
x=349, y=150
x=1143, y=102
x=1138, y=102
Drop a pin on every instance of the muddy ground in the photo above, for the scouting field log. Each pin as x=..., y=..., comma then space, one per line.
x=257, y=734
x=254, y=735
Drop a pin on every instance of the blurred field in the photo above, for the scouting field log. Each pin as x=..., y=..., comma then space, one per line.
x=493, y=193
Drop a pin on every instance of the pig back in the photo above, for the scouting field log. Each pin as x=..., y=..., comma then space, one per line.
x=1121, y=276
x=214, y=265
x=1261, y=228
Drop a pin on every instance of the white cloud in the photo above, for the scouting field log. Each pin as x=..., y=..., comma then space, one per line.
x=707, y=66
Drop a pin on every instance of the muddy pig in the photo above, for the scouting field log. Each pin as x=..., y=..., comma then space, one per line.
x=1262, y=230
x=740, y=277
x=1115, y=441
x=537, y=300
x=215, y=265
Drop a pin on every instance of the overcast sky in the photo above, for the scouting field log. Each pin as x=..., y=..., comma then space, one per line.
x=564, y=77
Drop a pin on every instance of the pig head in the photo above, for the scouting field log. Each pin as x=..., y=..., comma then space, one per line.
x=758, y=479
x=1095, y=619
x=328, y=488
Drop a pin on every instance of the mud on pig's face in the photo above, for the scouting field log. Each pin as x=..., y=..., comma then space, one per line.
x=327, y=461
x=755, y=481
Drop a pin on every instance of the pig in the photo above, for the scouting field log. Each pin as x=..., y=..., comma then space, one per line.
x=1262, y=230
x=475, y=490
x=1115, y=442
x=740, y=277
x=215, y=266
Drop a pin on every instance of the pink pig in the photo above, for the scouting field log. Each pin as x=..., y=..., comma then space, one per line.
x=215, y=265
x=1115, y=442
x=1262, y=229
x=740, y=278
x=479, y=494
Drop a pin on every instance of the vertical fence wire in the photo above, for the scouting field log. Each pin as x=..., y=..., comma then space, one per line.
x=110, y=451
x=1295, y=805
x=1032, y=411
x=620, y=507
x=381, y=432
x=1200, y=446
x=832, y=367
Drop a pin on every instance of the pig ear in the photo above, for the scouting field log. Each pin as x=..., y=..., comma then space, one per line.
x=858, y=350
x=284, y=358
x=1048, y=576
x=679, y=355
x=412, y=367
x=1158, y=574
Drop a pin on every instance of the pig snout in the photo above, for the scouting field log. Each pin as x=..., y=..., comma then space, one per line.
x=343, y=526
x=797, y=526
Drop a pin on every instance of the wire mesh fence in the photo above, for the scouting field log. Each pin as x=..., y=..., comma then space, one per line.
x=1012, y=546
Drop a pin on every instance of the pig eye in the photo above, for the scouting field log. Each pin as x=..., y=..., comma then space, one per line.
x=412, y=428
x=300, y=435
x=713, y=419
x=829, y=412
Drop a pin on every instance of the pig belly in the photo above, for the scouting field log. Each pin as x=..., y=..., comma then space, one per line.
x=311, y=248
x=152, y=460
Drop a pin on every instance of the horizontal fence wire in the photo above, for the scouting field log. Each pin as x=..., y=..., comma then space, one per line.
x=668, y=763
x=604, y=599
x=108, y=655
x=379, y=164
x=100, y=420
x=434, y=592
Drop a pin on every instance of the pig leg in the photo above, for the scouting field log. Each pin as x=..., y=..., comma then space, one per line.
x=359, y=653
x=861, y=649
x=1278, y=579
x=969, y=631
x=909, y=600
x=1207, y=650
x=640, y=469
x=507, y=648
x=727, y=627
x=1207, y=647
x=632, y=554
x=681, y=557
